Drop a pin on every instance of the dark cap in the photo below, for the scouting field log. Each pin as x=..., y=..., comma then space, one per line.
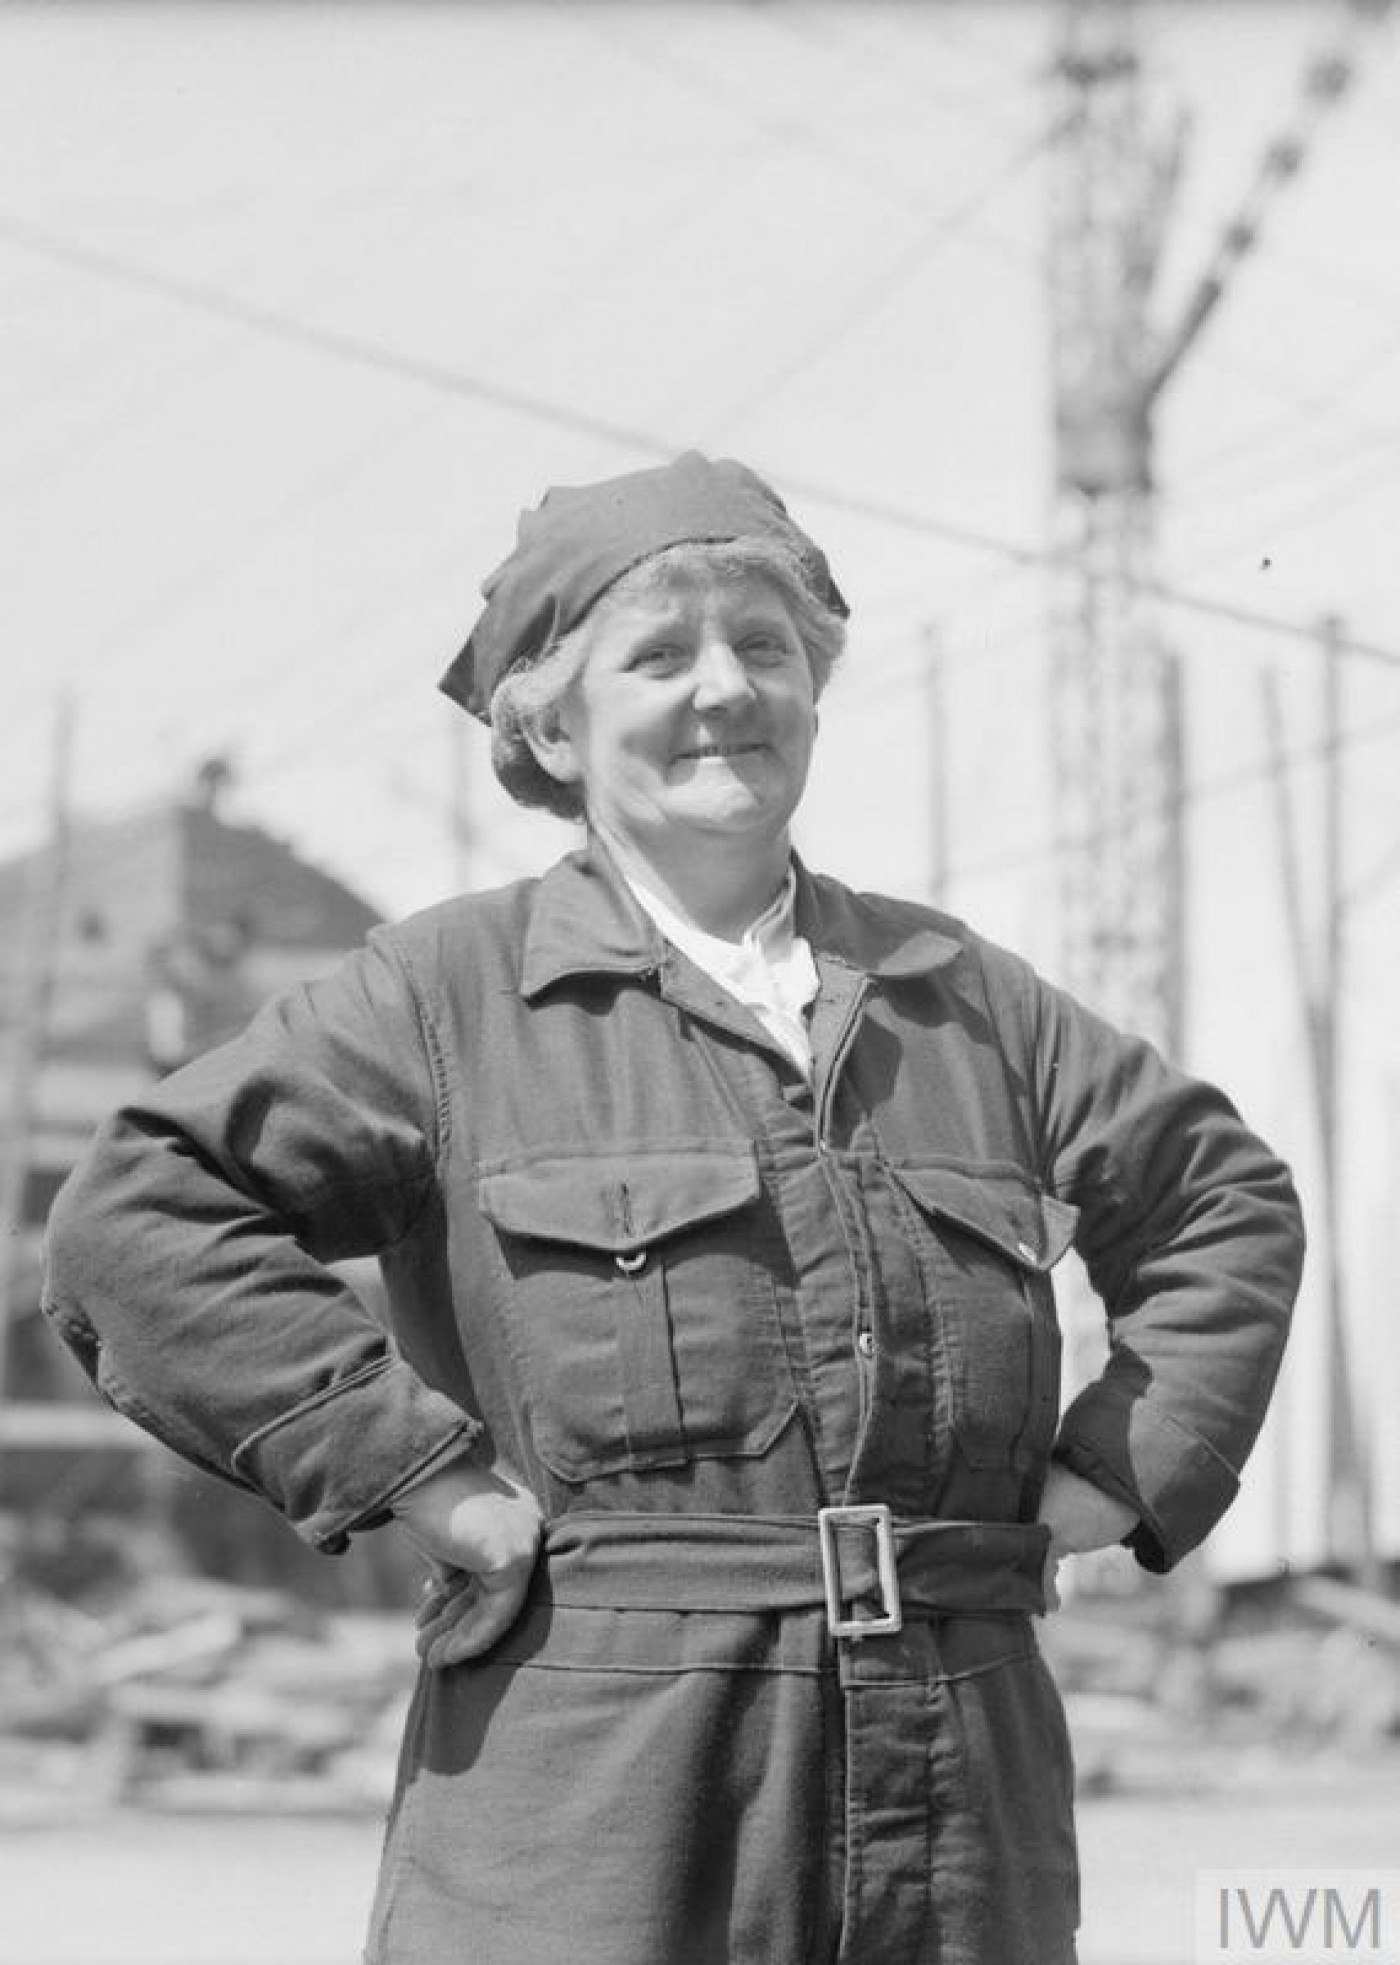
x=580, y=538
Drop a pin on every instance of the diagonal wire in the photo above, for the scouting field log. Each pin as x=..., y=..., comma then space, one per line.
x=896, y=72
x=1386, y=869
x=319, y=339
x=382, y=359
x=1266, y=531
x=331, y=481
x=1190, y=795
x=815, y=139
x=943, y=229
x=1325, y=403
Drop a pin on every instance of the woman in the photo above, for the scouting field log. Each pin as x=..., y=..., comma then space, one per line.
x=716, y=1205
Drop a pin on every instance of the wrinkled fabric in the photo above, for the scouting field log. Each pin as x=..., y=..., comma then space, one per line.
x=627, y=1246
x=769, y=969
x=579, y=539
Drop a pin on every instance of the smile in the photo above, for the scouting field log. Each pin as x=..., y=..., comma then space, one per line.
x=720, y=750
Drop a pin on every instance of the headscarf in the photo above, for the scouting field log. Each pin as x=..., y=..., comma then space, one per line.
x=581, y=538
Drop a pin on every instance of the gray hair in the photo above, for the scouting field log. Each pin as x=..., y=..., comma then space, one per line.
x=526, y=700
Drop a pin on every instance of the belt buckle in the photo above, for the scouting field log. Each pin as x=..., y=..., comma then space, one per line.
x=876, y=1516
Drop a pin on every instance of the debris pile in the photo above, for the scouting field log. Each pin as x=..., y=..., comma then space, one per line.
x=1309, y=1668
x=151, y=1685
x=190, y=1692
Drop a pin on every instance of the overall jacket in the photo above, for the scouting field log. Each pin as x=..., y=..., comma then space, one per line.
x=693, y=1300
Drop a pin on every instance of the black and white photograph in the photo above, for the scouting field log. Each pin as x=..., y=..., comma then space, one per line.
x=699, y=1049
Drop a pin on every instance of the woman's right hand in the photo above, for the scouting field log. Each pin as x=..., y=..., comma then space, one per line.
x=480, y=1528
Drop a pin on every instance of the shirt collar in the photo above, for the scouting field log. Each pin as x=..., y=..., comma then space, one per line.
x=586, y=921
x=769, y=935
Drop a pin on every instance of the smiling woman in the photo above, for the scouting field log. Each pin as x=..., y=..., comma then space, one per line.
x=525, y=703
x=685, y=729
x=716, y=1206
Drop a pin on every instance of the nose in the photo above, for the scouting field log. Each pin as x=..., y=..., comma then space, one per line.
x=721, y=682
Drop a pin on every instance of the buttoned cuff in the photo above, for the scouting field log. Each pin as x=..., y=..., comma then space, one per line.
x=1142, y=1455
x=331, y=1464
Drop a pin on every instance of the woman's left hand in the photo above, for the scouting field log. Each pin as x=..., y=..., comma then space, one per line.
x=1080, y=1517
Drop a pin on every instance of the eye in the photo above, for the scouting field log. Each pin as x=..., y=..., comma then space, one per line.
x=765, y=646
x=658, y=658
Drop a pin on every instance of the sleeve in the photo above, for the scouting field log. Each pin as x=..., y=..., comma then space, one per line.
x=187, y=1259
x=1192, y=1236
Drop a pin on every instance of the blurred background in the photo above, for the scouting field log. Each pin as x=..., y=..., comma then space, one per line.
x=1071, y=328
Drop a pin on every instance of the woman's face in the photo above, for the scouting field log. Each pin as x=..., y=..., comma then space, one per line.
x=693, y=713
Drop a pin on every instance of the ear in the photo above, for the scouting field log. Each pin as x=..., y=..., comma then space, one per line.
x=553, y=751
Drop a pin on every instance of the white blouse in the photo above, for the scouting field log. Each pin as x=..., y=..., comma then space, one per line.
x=769, y=969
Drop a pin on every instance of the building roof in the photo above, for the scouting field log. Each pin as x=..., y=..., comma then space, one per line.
x=175, y=903
x=181, y=867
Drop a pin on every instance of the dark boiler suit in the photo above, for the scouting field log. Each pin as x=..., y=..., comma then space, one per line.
x=694, y=1299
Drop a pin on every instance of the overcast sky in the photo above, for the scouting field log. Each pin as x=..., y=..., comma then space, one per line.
x=303, y=303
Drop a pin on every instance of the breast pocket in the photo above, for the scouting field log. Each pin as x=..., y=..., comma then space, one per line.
x=641, y=1306
x=986, y=1239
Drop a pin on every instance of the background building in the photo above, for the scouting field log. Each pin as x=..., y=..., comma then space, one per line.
x=135, y=944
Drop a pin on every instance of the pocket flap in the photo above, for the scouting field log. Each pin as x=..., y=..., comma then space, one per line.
x=619, y=1203
x=999, y=1205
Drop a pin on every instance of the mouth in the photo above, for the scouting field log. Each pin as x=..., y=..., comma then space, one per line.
x=703, y=751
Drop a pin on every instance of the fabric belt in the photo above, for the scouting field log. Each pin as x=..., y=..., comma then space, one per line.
x=624, y=1561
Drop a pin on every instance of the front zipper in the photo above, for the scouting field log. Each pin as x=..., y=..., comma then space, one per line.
x=826, y=1091
x=863, y=1340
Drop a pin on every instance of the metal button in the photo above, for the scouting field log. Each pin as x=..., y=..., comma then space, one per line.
x=1025, y=1249
x=865, y=1343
